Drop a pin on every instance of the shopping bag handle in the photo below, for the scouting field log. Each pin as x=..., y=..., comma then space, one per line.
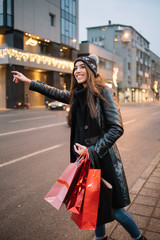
x=84, y=154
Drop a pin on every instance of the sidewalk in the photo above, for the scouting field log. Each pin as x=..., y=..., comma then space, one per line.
x=145, y=205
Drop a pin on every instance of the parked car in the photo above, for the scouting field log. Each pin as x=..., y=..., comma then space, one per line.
x=56, y=105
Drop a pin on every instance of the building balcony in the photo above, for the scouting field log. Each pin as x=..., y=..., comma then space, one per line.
x=19, y=57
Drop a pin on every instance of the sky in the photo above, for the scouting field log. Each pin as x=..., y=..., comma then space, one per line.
x=142, y=15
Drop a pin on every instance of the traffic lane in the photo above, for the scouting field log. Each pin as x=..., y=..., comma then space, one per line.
x=132, y=112
x=19, y=144
x=24, y=144
x=24, y=211
x=34, y=228
x=139, y=145
x=31, y=119
x=35, y=118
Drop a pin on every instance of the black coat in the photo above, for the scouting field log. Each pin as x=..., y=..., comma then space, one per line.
x=99, y=135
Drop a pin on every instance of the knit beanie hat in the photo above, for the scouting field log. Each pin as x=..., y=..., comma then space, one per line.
x=91, y=61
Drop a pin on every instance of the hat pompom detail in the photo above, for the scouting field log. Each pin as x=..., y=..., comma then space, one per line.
x=93, y=56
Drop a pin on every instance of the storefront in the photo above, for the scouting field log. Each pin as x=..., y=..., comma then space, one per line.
x=54, y=71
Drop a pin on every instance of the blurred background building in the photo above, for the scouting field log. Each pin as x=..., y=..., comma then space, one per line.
x=155, y=75
x=39, y=39
x=109, y=63
x=133, y=48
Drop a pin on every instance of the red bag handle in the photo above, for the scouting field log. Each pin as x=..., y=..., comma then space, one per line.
x=84, y=154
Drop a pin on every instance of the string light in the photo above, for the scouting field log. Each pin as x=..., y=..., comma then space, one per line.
x=31, y=57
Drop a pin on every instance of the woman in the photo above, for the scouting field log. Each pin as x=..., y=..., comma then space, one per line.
x=96, y=124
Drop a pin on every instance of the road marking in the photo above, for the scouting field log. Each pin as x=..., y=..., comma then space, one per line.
x=32, y=129
x=128, y=122
x=28, y=119
x=155, y=113
x=30, y=155
x=46, y=126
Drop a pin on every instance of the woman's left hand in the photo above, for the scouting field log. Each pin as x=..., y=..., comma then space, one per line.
x=78, y=148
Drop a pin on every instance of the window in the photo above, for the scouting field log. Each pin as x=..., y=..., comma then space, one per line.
x=129, y=66
x=102, y=63
x=1, y=12
x=52, y=19
x=129, y=79
x=6, y=13
x=9, y=13
x=68, y=22
x=129, y=52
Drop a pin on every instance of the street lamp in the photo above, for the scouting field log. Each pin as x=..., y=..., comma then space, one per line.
x=126, y=37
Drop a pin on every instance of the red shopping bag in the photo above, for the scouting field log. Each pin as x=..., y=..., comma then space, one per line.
x=57, y=194
x=74, y=202
x=87, y=219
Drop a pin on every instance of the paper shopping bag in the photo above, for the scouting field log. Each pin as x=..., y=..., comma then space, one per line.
x=64, y=186
x=58, y=192
x=87, y=219
x=75, y=200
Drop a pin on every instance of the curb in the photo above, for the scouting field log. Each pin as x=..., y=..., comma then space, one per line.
x=145, y=175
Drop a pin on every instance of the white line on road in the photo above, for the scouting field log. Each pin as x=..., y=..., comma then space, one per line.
x=155, y=113
x=46, y=126
x=128, y=122
x=30, y=155
x=31, y=129
x=28, y=119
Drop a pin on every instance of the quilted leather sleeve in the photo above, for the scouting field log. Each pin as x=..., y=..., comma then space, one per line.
x=51, y=92
x=112, y=122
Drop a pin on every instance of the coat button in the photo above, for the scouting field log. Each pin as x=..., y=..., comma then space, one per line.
x=85, y=127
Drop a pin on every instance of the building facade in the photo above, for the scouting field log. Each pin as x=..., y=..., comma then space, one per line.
x=155, y=75
x=107, y=62
x=126, y=42
x=40, y=39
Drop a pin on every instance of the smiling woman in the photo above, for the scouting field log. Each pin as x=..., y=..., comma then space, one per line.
x=96, y=124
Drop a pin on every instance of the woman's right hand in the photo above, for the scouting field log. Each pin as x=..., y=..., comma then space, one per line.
x=19, y=77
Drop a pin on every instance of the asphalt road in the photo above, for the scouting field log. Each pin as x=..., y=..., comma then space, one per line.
x=34, y=151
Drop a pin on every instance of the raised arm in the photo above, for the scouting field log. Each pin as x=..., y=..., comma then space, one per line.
x=41, y=87
x=17, y=76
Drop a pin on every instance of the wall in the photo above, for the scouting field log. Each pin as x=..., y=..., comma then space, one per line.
x=2, y=39
x=2, y=87
x=32, y=16
x=36, y=99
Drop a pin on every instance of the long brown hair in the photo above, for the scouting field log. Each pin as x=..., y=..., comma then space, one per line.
x=95, y=85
